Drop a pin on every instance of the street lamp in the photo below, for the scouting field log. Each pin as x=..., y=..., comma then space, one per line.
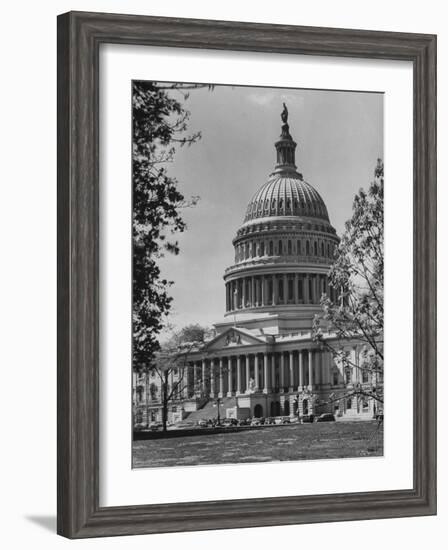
x=217, y=403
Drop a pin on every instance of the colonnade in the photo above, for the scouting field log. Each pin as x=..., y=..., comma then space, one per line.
x=274, y=289
x=267, y=372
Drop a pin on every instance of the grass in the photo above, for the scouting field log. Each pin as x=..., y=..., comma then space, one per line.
x=288, y=442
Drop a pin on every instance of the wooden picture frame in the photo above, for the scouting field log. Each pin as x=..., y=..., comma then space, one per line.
x=79, y=38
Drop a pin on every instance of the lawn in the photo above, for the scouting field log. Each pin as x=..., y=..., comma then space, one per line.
x=264, y=444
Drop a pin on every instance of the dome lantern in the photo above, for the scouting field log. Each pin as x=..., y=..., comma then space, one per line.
x=286, y=147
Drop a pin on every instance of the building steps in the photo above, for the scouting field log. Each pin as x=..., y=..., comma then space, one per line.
x=210, y=410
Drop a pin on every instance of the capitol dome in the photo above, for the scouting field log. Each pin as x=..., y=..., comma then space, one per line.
x=286, y=194
x=285, y=246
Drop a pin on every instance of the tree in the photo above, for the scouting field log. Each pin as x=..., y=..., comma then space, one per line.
x=357, y=277
x=171, y=361
x=159, y=125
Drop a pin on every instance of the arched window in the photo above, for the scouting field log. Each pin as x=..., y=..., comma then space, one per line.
x=271, y=248
x=305, y=407
x=299, y=247
x=315, y=248
x=262, y=248
x=280, y=248
x=322, y=249
x=289, y=248
x=307, y=248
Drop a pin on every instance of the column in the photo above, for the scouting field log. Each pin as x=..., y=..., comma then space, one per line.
x=252, y=292
x=256, y=372
x=238, y=374
x=266, y=373
x=247, y=363
x=285, y=289
x=204, y=384
x=296, y=284
x=317, y=368
x=195, y=377
x=301, y=369
x=310, y=369
x=291, y=371
x=243, y=281
x=212, y=378
x=282, y=372
x=263, y=290
x=229, y=377
x=272, y=371
x=306, y=289
x=221, y=379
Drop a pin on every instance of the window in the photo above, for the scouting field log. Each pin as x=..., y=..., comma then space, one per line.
x=290, y=289
x=139, y=394
x=365, y=376
x=280, y=248
x=335, y=378
x=348, y=375
x=300, y=289
x=271, y=248
x=365, y=404
x=262, y=248
x=307, y=248
x=349, y=403
x=315, y=248
x=299, y=247
x=289, y=248
x=322, y=249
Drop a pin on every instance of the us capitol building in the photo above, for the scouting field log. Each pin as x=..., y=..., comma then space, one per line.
x=263, y=360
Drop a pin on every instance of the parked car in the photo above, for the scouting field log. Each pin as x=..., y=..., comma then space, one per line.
x=255, y=422
x=156, y=426
x=285, y=420
x=203, y=423
x=326, y=417
x=230, y=422
x=244, y=422
x=307, y=418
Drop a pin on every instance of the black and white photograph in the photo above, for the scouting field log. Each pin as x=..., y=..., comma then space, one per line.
x=257, y=274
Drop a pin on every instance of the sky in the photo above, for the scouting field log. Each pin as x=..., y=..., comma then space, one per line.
x=339, y=137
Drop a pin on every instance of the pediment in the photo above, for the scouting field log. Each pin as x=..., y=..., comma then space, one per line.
x=233, y=337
